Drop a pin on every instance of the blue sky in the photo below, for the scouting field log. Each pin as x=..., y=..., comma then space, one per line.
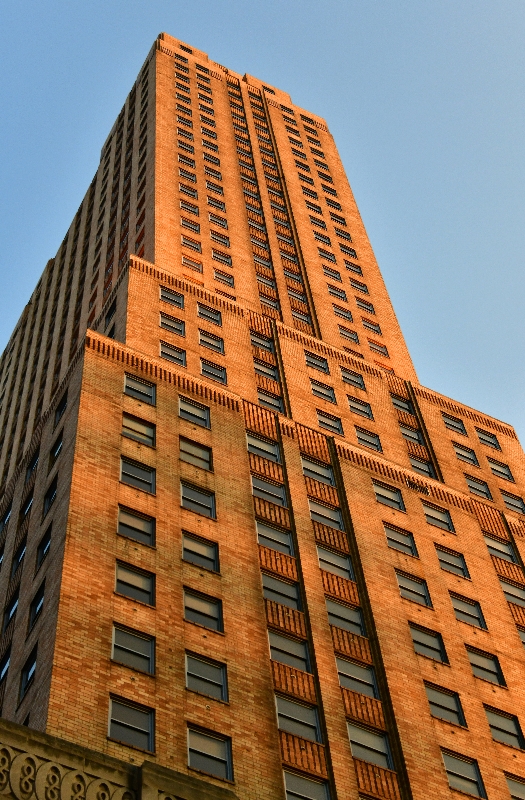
x=426, y=102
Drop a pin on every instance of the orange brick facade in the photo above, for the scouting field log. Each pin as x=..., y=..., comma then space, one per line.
x=213, y=354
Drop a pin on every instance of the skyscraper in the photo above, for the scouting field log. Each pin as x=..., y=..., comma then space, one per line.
x=241, y=543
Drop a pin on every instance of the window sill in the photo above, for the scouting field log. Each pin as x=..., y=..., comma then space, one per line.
x=204, y=628
x=133, y=669
x=134, y=600
x=131, y=539
x=198, y=566
x=138, y=489
x=208, y=697
x=211, y=775
x=138, y=441
x=131, y=746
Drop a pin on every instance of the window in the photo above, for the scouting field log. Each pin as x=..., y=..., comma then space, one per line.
x=454, y=424
x=198, y=500
x=439, y=517
x=224, y=277
x=135, y=525
x=172, y=324
x=202, y=609
x=216, y=219
x=139, y=389
x=299, y=788
x=194, y=412
x=10, y=610
x=516, y=788
x=402, y=404
x=172, y=353
x=287, y=594
x=274, y=538
x=131, y=724
x=478, y=487
x=263, y=447
x=345, y=313
x=414, y=589
x=326, y=515
x=411, y=434
x=485, y=666
x=423, y=467
x=451, y=561
x=18, y=558
x=33, y=464
x=194, y=453
x=361, y=287
x=401, y=540
x=258, y=340
x=372, y=326
x=28, y=673
x=360, y=407
x=135, y=583
x=468, y=611
x=289, y=651
x=513, y=593
x=357, y=677
x=463, y=774
x=445, y=704
x=5, y=519
x=465, y=454
x=500, y=548
x=184, y=204
x=505, y=728
x=500, y=470
x=323, y=391
x=138, y=475
x=134, y=649
x=353, y=378
x=335, y=563
x=37, y=604
x=200, y=551
x=364, y=305
x=347, y=617
x=169, y=296
x=60, y=409
x=50, y=495
x=346, y=333
x=138, y=429
x=43, y=547
x=268, y=370
x=4, y=665
x=316, y=362
x=317, y=471
x=329, y=422
x=271, y=401
x=513, y=503
x=389, y=496
x=206, y=677
x=369, y=746
x=210, y=753
x=368, y=439
x=224, y=258
x=490, y=439
x=428, y=643
x=272, y=492
x=213, y=371
x=298, y=719
x=209, y=314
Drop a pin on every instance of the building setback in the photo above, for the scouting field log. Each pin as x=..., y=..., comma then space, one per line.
x=245, y=553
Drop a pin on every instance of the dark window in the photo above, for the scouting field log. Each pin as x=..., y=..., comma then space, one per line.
x=401, y=403
x=210, y=753
x=135, y=583
x=198, y=500
x=505, y=728
x=169, y=296
x=465, y=453
x=26, y=506
x=289, y=651
x=274, y=538
x=349, y=618
x=445, y=704
x=317, y=471
x=298, y=719
x=401, y=540
x=213, y=371
x=274, y=493
x=454, y=424
x=353, y=378
x=194, y=412
x=138, y=429
x=468, y=611
x=60, y=409
x=209, y=314
x=194, y=453
x=139, y=389
x=258, y=340
x=5, y=519
x=299, y=788
x=479, y=487
x=490, y=439
x=287, y=594
x=28, y=673
x=414, y=589
x=10, y=610
x=112, y=310
x=329, y=422
x=428, y=643
x=326, y=515
x=31, y=467
x=204, y=610
x=200, y=551
x=368, y=439
x=360, y=407
x=485, y=666
x=500, y=548
x=423, y=467
x=172, y=353
x=4, y=665
x=516, y=788
x=267, y=370
x=388, y=496
x=206, y=677
x=18, y=558
x=339, y=311
x=513, y=503
x=139, y=475
x=357, y=677
x=411, y=434
x=37, y=604
x=172, y=324
x=513, y=593
x=210, y=341
x=263, y=448
x=451, y=561
x=135, y=525
x=369, y=746
x=439, y=517
x=43, y=547
x=500, y=470
x=316, y=362
x=131, y=724
x=134, y=649
x=50, y=495
x=336, y=563
x=323, y=391
x=270, y=401
x=463, y=774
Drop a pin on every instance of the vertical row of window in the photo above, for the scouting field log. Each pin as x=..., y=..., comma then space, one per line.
x=265, y=363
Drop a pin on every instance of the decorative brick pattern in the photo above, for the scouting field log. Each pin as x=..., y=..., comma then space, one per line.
x=321, y=491
x=270, y=512
x=280, y=563
x=376, y=781
x=288, y=680
x=350, y=644
x=286, y=619
x=362, y=708
x=330, y=536
x=303, y=754
x=339, y=587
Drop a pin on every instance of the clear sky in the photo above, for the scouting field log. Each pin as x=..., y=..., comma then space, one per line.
x=426, y=101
